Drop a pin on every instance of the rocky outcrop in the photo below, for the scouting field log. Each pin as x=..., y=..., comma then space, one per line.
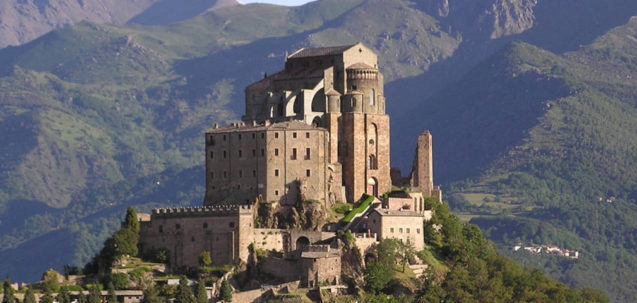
x=305, y=215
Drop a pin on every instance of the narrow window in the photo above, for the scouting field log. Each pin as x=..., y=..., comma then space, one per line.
x=212, y=141
x=212, y=175
x=307, y=135
x=294, y=154
x=400, y=230
x=253, y=136
x=276, y=135
x=408, y=231
x=240, y=153
x=254, y=173
x=294, y=135
x=225, y=174
x=212, y=155
x=224, y=137
x=239, y=136
x=262, y=135
x=276, y=172
x=254, y=152
x=391, y=230
x=307, y=153
x=161, y=228
x=418, y=230
x=262, y=152
x=307, y=172
x=224, y=154
x=240, y=173
x=276, y=192
x=276, y=151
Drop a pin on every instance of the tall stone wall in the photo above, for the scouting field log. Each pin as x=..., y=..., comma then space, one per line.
x=422, y=171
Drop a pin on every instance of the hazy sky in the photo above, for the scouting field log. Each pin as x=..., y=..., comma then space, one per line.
x=278, y=2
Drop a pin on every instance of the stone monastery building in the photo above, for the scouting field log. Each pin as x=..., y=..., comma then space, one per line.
x=315, y=131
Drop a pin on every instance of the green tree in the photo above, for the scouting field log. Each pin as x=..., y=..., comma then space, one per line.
x=94, y=295
x=8, y=297
x=112, y=297
x=205, y=259
x=184, y=292
x=29, y=296
x=63, y=296
x=131, y=222
x=226, y=291
x=119, y=280
x=47, y=297
x=51, y=280
x=377, y=276
x=151, y=295
x=202, y=296
x=405, y=252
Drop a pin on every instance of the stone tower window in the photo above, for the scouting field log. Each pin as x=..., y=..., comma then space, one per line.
x=400, y=230
x=212, y=155
x=276, y=151
x=254, y=152
x=254, y=173
x=294, y=135
x=240, y=173
x=371, y=97
x=212, y=141
x=224, y=154
x=240, y=153
x=307, y=135
x=276, y=172
x=262, y=152
x=408, y=230
x=262, y=135
x=212, y=175
x=276, y=192
x=307, y=153
x=224, y=137
x=231, y=224
x=239, y=136
x=276, y=135
x=225, y=174
x=161, y=228
x=307, y=173
x=293, y=154
x=391, y=230
x=205, y=225
x=254, y=135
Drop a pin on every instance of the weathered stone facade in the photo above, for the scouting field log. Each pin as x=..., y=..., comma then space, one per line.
x=404, y=225
x=339, y=91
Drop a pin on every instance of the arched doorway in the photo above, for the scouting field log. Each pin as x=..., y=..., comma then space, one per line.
x=302, y=242
x=372, y=187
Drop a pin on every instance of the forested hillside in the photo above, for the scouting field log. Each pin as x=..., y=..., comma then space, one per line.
x=531, y=105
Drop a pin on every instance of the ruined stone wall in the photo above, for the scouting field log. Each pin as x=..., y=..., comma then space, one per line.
x=422, y=171
x=224, y=231
x=321, y=270
x=284, y=269
x=269, y=239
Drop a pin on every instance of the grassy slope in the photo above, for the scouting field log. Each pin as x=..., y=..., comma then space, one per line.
x=573, y=144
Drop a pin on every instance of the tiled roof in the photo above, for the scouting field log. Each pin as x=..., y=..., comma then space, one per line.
x=319, y=51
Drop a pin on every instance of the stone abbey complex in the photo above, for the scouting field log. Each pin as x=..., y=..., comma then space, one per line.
x=313, y=135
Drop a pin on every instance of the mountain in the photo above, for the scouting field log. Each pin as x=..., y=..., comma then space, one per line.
x=531, y=105
x=23, y=21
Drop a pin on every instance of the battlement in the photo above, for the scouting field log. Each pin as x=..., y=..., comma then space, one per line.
x=222, y=210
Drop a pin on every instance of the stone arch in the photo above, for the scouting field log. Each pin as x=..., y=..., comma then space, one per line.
x=318, y=102
x=372, y=186
x=302, y=242
x=317, y=122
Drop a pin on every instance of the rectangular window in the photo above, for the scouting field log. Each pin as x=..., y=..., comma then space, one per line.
x=276, y=135
x=307, y=153
x=262, y=135
x=262, y=152
x=418, y=230
x=294, y=135
x=212, y=155
x=391, y=230
x=307, y=135
x=240, y=173
x=293, y=154
x=212, y=141
x=276, y=192
x=254, y=152
x=239, y=136
x=400, y=230
x=276, y=151
x=240, y=154
x=307, y=172
x=276, y=172
x=408, y=231
x=224, y=154
x=224, y=137
x=254, y=173
x=254, y=135
x=225, y=174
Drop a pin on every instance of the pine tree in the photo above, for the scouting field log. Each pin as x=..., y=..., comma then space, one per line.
x=202, y=296
x=8, y=297
x=151, y=295
x=29, y=296
x=184, y=292
x=112, y=297
x=226, y=291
